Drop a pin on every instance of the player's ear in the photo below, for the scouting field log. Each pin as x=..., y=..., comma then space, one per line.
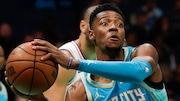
x=91, y=35
x=83, y=25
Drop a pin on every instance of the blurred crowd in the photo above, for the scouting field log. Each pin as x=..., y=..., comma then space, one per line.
x=57, y=21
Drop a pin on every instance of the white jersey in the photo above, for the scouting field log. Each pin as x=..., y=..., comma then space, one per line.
x=76, y=53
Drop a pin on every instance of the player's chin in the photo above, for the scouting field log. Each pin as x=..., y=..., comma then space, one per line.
x=114, y=44
x=113, y=48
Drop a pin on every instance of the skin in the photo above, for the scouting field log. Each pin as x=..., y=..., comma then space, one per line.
x=2, y=59
x=113, y=35
x=57, y=91
x=107, y=31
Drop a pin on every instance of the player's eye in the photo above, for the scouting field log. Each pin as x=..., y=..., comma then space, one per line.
x=120, y=25
x=104, y=23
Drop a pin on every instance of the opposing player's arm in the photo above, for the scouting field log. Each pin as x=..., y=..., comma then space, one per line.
x=58, y=89
x=76, y=92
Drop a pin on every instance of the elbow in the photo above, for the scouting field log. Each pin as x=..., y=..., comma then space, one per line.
x=143, y=71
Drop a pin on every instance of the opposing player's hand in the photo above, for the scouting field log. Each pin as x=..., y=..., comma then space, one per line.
x=39, y=97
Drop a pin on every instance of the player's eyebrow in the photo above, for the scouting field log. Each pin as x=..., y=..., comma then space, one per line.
x=120, y=18
x=104, y=17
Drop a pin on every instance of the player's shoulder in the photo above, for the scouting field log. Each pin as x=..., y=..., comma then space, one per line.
x=146, y=47
x=141, y=45
x=66, y=45
x=69, y=48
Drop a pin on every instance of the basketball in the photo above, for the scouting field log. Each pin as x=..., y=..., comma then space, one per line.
x=27, y=73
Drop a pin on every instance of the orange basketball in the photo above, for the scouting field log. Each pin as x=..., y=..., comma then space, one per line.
x=27, y=73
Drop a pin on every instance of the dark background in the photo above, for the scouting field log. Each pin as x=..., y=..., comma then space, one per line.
x=60, y=23
x=25, y=17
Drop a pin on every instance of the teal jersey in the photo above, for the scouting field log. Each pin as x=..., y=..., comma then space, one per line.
x=3, y=92
x=121, y=91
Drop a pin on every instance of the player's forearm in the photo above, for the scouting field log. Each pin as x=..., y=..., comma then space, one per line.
x=132, y=71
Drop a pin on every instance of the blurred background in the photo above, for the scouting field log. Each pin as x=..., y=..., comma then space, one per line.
x=57, y=21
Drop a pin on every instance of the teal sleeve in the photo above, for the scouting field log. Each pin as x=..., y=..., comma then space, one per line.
x=124, y=71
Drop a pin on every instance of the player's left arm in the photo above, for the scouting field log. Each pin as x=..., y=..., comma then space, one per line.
x=148, y=52
x=143, y=65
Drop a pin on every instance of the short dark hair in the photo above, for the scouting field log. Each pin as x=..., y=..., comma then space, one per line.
x=104, y=7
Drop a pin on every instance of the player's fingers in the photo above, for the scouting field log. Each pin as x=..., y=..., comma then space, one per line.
x=7, y=81
x=26, y=96
x=40, y=48
x=18, y=93
x=9, y=85
x=14, y=90
x=43, y=43
x=47, y=56
x=46, y=49
x=12, y=87
x=5, y=73
x=38, y=42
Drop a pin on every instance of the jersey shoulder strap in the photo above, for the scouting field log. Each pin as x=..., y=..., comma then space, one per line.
x=127, y=52
x=73, y=49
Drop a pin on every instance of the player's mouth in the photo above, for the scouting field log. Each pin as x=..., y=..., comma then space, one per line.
x=114, y=38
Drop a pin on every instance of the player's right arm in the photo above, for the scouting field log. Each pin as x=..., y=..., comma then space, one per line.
x=57, y=91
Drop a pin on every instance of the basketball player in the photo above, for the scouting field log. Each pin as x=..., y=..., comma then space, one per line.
x=81, y=48
x=3, y=90
x=119, y=73
x=135, y=67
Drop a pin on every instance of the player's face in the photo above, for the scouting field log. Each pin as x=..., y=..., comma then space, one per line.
x=108, y=29
x=87, y=29
x=84, y=27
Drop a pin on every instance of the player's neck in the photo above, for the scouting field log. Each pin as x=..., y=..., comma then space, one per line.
x=104, y=56
x=100, y=79
x=87, y=50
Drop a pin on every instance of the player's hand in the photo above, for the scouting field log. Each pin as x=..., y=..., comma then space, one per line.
x=53, y=52
x=39, y=97
x=43, y=45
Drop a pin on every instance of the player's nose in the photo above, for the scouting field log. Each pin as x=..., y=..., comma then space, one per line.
x=113, y=27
